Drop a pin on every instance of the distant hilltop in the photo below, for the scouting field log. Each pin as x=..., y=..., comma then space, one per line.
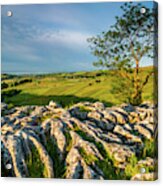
x=15, y=74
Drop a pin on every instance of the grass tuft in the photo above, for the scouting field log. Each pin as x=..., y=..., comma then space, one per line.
x=35, y=166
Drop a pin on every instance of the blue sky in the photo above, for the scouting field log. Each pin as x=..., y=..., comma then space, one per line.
x=52, y=37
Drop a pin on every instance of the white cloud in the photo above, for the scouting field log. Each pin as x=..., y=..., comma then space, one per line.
x=21, y=51
x=42, y=34
x=67, y=38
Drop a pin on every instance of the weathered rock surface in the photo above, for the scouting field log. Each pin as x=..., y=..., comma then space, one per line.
x=76, y=140
x=144, y=177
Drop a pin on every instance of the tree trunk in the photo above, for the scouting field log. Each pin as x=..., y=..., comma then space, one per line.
x=137, y=67
x=137, y=95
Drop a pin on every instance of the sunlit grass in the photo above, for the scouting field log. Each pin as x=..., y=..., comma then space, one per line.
x=68, y=91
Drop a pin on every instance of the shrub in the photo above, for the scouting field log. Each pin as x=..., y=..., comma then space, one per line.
x=98, y=81
x=16, y=83
x=9, y=93
x=4, y=85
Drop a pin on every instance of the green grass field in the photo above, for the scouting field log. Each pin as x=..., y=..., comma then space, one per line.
x=68, y=88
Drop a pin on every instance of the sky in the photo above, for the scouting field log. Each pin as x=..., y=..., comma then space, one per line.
x=53, y=37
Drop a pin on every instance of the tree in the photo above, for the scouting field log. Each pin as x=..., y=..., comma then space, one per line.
x=123, y=47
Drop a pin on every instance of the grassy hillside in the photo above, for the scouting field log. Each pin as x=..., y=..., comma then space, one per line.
x=65, y=88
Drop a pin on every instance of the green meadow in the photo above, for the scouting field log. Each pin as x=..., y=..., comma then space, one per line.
x=65, y=88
